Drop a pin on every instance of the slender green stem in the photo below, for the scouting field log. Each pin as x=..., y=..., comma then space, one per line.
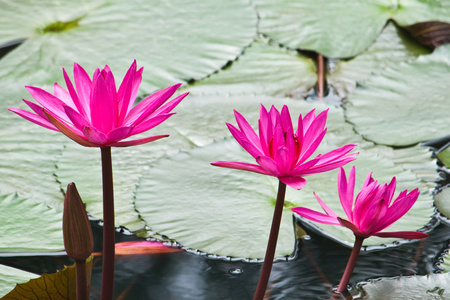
x=82, y=292
x=108, y=226
x=350, y=264
x=272, y=244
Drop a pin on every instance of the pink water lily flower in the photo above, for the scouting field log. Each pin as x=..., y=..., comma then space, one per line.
x=373, y=210
x=94, y=113
x=283, y=153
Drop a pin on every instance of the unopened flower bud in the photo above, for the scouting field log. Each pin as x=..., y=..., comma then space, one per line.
x=78, y=240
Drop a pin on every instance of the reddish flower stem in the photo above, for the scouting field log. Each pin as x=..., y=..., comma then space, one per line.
x=272, y=244
x=82, y=292
x=350, y=264
x=320, y=76
x=108, y=226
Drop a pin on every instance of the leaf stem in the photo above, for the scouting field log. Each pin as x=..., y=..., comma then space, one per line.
x=350, y=264
x=108, y=226
x=82, y=292
x=272, y=244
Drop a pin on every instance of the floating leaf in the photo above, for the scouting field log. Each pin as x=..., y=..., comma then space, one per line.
x=391, y=47
x=263, y=69
x=228, y=212
x=11, y=276
x=444, y=155
x=27, y=152
x=58, y=286
x=175, y=41
x=340, y=29
x=417, y=97
x=432, y=286
x=30, y=226
x=442, y=202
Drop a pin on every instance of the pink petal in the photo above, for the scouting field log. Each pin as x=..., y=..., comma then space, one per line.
x=352, y=227
x=151, y=123
x=265, y=130
x=308, y=150
x=412, y=235
x=315, y=216
x=294, y=182
x=269, y=165
x=314, y=132
x=73, y=93
x=138, y=141
x=95, y=136
x=83, y=83
x=346, y=190
x=63, y=95
x=282, y=158
x=326, y=208
x=118, y=134
x=124, y=93
x=169, y=106
x=34, y=118
x=141, y=111
x=48, y=101
x=76, y=119
x=246, y=129
x=240, y=166
x=67, y=131
x=102, y=105
x=286, y=121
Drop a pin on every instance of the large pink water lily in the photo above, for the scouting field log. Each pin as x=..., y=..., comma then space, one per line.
x=94, y=113
x=373, y=210
x=283, y=153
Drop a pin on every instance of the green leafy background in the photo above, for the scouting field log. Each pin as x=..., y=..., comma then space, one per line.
x=229, y=55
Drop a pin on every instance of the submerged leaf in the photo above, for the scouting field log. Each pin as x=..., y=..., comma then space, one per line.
x=57, y=286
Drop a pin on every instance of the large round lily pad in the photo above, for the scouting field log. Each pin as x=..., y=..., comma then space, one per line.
x=11, y=277
x=391, y=47
x=264, y=69
x=30, y=226
x=342, y=28
x=429, y=287
x=174, y=40
x=404, y=105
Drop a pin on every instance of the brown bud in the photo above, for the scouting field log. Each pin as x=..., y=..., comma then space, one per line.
x=78, y=240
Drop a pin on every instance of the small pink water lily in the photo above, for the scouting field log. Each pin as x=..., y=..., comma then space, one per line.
x=373, y=210
x=95, y=114
x=281, y=152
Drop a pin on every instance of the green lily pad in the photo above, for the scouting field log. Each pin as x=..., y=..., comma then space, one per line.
x=228, y=212
x=432, y=286
x=27, y=152
x=391, y=47
x=445, y=264
x=442, y=202
x=175, y=41
x=31, y=226
x=340, y=29
x=263, y=69
x=444, y=155
x=11, y=277
x=416, y=95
